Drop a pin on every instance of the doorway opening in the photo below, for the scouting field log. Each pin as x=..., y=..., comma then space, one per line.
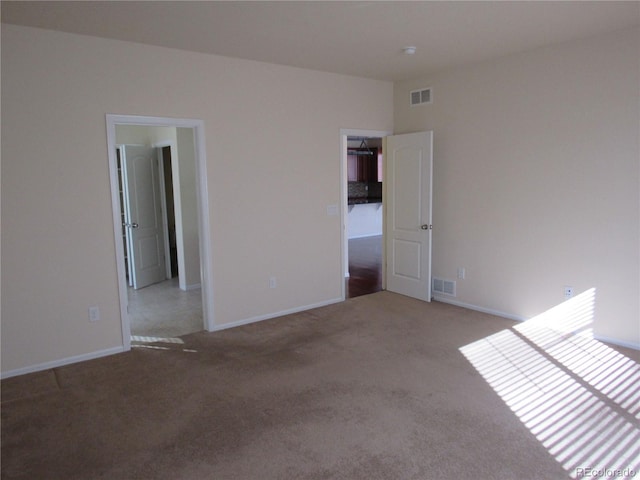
x=163, y=292
x=363, y=232
x=169, y=212
x=158, y=180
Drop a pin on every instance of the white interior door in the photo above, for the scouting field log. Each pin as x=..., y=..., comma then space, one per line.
x=143, y=215
x=409, y=165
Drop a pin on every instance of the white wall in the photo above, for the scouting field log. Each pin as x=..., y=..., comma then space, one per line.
x=268, y=202
x=189, y=209
x=135, y=134
x=536, y=178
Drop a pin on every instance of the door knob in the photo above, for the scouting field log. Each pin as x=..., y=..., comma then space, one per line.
x=424, y=227
x=134, y=225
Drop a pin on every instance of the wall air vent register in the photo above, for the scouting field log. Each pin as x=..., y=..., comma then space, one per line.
x=420, y=97
x=444, y=287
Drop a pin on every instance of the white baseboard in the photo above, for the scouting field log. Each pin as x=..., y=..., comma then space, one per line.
x=195, y=286
x=281, y=313
x=497, y=313
x=620, y=343
x=112, y=351
x=613, y=341
x=59, y=363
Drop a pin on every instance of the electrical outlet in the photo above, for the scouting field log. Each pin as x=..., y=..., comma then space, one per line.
x=462, y=272
x=568, y=292
x=273, y=282
x=94, y=314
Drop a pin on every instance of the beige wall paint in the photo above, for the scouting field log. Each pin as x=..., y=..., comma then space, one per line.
x=135, y=135
x=273, y=162
x=536, y=178
x=189, y=207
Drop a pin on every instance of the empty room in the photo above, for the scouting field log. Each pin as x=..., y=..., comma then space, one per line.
x=197, y=154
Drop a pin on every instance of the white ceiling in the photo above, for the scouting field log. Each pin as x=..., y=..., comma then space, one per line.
x=362, y=38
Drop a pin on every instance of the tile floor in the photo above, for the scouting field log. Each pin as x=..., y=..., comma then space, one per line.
x=163, y=310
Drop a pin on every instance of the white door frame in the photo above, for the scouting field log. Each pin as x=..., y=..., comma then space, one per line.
x=203, y=212
x=344, y=194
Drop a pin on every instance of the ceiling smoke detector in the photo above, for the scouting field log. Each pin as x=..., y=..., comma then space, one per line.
x=409, y=50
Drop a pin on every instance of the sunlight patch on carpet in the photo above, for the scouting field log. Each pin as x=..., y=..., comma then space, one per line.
x=143, y=339
x=150, y=347
x=579, y=397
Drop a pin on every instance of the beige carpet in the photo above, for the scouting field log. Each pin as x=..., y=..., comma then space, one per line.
x=373, y=388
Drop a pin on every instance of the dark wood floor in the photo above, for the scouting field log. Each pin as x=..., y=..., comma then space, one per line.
x=365, y=266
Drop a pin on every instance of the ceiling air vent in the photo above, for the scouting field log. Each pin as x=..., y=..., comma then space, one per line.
x=420, y=97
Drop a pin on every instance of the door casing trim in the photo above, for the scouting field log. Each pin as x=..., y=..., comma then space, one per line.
x=204, y=230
